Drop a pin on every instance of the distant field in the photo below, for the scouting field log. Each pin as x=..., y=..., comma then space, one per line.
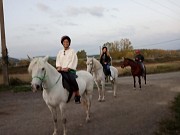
x=24, y=77
x=151, y=69
x=154, y=68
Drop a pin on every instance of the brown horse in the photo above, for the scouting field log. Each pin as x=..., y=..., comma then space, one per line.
x=136, y=70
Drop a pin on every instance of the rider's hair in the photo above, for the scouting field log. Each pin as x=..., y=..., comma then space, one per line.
x=65, y=37
x=107, y=52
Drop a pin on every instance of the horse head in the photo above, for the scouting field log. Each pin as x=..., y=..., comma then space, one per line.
x=90, y=64
x=37, y=69
x=124, y=62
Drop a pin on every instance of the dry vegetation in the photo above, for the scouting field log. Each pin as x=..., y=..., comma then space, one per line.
x=151, y=68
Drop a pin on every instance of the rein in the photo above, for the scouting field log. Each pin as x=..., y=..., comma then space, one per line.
x=54, y=84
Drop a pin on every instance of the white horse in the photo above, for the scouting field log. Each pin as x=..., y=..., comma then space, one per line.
x=95, y=67
x=45, y=75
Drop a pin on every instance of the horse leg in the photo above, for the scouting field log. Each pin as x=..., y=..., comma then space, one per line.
x=63, y=118
x=103, y=90
x=99, y=91
x=145, y=77
x=86, y=100
x=134, y=82
x=139, y=80
x=54, y=115
x=114, y=84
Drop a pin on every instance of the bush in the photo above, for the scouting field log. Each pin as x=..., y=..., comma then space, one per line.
x=16, y=81
x=81, y=64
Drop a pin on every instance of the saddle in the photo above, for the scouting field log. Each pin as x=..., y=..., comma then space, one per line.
x=67, y=85
x=142, y=67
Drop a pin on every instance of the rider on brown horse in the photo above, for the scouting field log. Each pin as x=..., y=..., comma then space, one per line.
x=139, y=58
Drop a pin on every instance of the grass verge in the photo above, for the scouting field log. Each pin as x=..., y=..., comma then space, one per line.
x=16, y=85
x=18, y=88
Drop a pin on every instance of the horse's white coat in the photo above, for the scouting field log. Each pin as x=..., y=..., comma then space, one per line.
x=95, y=67
x=53, y=92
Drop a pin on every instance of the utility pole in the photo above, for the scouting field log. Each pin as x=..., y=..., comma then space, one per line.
x=4, y=49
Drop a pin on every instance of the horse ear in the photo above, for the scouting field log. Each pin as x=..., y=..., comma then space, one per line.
x=29, y=57
x=45, y=59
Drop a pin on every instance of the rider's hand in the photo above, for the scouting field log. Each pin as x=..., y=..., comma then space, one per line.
x=65, y=69
x=59, y=68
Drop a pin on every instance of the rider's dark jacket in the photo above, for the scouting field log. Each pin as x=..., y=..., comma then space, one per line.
x=105, y=61
x=105, y=58
x=139, y=58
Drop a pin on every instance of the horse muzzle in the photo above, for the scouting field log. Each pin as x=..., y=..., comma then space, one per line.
x=35, y=87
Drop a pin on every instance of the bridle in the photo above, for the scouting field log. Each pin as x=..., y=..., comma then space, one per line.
x=92, y=65
x=43, y=78
x=40, y=78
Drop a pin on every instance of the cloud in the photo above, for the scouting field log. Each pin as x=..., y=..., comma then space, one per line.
x=65, y=23
x=43, y=7
x=94, y=11
x=127, y=31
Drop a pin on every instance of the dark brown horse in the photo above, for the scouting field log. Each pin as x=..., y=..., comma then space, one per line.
x=136, y=70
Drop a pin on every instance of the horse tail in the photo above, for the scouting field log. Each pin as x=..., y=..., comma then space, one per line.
x=145, y=74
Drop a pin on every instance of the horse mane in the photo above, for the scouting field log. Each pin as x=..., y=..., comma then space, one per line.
x=98, y=64
x=130, y=59
x=32, y=63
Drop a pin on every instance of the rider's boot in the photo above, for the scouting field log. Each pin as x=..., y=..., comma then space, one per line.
x=77, y=98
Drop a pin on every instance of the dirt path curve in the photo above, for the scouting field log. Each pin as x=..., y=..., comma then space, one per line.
x=133, y=112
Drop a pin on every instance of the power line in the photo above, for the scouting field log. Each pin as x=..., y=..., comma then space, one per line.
x=172, y=2
x=153, y=9
x=164, y=6
x=163, y=42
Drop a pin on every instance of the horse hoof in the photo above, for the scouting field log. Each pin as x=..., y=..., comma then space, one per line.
x=87, y=120
x=55, y=133
x=99, y=100
x=134, y=88
x=103, y=100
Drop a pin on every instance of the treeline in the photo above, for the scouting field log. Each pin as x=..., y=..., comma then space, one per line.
x=117, y=50
x=124, y=48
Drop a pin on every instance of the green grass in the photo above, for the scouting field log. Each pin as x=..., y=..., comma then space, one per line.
x=16, y=85
x=18, y=88
x=171, y=125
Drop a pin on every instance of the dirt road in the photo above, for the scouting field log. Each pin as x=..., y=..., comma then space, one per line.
x=132, y=112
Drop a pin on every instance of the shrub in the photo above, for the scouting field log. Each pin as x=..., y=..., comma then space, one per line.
x=16, y=81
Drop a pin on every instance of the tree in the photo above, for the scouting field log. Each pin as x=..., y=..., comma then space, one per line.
x=81, y=54
x=4, y=49
x=119, y=49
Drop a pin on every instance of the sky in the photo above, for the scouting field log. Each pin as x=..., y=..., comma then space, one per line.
x=35, y=27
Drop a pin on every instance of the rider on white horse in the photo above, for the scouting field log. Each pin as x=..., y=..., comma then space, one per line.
x=105, y=60
x=66, y=63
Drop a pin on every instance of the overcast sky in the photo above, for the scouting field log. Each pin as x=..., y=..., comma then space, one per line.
x=34, y=27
